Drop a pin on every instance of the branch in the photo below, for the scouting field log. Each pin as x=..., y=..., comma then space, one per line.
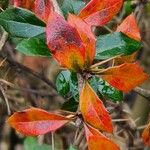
x=3, y=39
x=143, y=92
x=5, y=98
x=21, y=68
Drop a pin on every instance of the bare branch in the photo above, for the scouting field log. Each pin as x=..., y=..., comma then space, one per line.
x=5, y=98
x=143, y=92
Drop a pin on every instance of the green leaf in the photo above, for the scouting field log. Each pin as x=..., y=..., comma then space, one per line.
x=72, y=6
x=33, y=47
x=21, y=23
x=114, y=44
x=102, y=87
x=128, y=7
x=66, y=84
x=31, y=143
x=71, y=148
x=70, y=105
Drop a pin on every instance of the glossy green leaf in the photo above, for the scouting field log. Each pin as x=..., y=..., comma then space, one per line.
x=114, y=44
x=31, y=143
x=33, y=47
x=66, y=84
x=21, y=23
x=72, y=6
x=101, y=87
x=70, y=105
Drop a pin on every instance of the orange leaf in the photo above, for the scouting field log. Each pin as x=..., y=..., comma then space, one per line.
x=86, y=35
x=146, y=135
x=92, y=7
x=34, y=121
x=42, y=8
x=100, y=12
x=97, y=141
x=28, y=4
x=130, y=27
x=125, y=59
x=93, y=110
x=125, y=77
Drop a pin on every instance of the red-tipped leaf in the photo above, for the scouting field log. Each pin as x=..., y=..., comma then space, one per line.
x=93, y=110
x=34, y=121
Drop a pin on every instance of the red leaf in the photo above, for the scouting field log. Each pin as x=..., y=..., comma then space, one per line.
x=125, y=77
x=130, y=27
x=86, y=35
x=34, y=121
x=72, y=45
x=146, y=135
x=97, y=141
x=93, y=110
x=42, y=9
x=100, y=12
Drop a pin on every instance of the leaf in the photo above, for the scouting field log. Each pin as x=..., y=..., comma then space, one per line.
x=33, y=47
x=31, y=143
x=42, y=9
x=126, y=59
x=97, y=141
x=98, y=12
x=125, y=77
x=146, y=135
x=65, y=43
x=67, y=85
x=114, y=44
x=21, y=23
x=72, y=6
x=28, y=4
x=130, y=27
x=34, y=121
x=93, y=110
x=87, y=37
x=71, y=148
x=102, y=87
x=92, y=7
x=70, y=105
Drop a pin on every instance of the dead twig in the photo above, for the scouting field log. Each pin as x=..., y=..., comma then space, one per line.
x=5, y=98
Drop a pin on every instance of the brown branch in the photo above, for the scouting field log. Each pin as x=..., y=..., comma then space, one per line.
x=21, y=68
x=5, y=98
x=143, y=92
x=3, y=39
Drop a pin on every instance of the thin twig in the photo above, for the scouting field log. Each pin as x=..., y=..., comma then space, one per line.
x=21, y=68
x=3, y=39
x=5, y=98
x=103, y=62
x=143, y=92
x=53, y=142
